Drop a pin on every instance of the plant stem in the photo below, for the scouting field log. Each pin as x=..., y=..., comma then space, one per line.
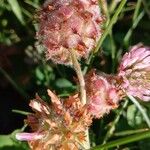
x=146, y=7
x=111, y=23
x=122, y=141
x=20, y=112
x=135, y=20
x=78, y=70
x=106, y=32
x=130, y=31
x=137, y=8
x=137, y=104
x=112, y=128
x=79, y=73
x=105, y=11
x=113, y=5
x=129, y=132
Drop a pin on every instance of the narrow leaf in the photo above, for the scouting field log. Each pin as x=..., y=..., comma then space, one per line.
x=126, y=140
x=16, y=10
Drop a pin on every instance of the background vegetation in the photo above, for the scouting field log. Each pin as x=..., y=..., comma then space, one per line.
x=24, y=71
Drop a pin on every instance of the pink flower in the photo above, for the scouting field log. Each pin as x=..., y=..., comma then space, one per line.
x=61, y=125
x=69, y=24
x=134, y=71
x=102, y=95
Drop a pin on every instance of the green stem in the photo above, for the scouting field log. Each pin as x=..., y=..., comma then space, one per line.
x=113, y=51
x=130, y=31
x=146, y=7
x=129, y=132
x=80, y=76
x=79, y=73
x=20, y=112
x=113, y=6
x=106, y=32
x=14, y=84
x=137, y=104
x=137, y=8
x=111, y=23
x=112, y=128
x=122, y=141
x=104, y=7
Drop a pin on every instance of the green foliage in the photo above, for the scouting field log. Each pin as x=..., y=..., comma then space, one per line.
x=134, y=117
x=123, y=141
x=44, y=75
x=8, y=142
x=17, y=10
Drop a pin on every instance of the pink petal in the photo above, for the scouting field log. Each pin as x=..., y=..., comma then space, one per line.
x=28, y=136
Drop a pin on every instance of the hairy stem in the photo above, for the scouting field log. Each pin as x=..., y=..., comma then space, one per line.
x=78, y=70
x=80, y=76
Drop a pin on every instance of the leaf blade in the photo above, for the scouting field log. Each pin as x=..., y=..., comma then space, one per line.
x=16, y=10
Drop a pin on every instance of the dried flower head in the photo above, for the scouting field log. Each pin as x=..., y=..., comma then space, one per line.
x=60, y=126
x=134, y=71
x=69, y=24
x=102, y=95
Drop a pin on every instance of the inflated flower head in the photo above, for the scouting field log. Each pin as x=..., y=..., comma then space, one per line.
x=102, y=95
x=60, y=126
x=69, y=24
x=134, y=72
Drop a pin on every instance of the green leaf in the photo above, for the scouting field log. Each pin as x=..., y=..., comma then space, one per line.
x=39, y=74
x=21, y=112
x=141, y=109
x=9, y=142
x=129, y=132
x=16, y=10
x=134, y=117
x=63, y=83
x=122, y=141
x=5, y=141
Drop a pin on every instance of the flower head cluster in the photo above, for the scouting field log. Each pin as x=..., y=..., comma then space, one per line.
x=134, y=71
x=60, y=126
x=69, y=24
x=102, y=95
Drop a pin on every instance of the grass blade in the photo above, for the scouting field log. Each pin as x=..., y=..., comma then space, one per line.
x=16, y=10
x=126, y=140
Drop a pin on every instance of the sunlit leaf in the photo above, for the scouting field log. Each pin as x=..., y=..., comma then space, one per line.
x=17, y=10
x=63, y=83
x=9, y=142
x=134, y=117
x=5, y=140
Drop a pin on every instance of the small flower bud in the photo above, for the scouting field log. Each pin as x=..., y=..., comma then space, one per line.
x=102, y=95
